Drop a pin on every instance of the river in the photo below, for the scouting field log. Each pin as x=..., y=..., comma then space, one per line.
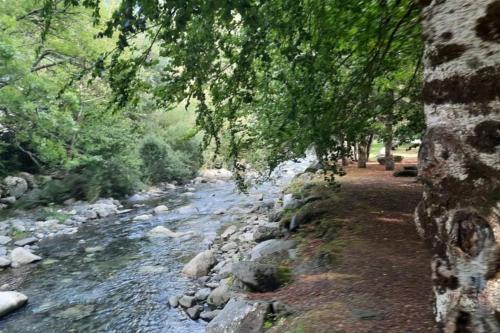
x=110, y=277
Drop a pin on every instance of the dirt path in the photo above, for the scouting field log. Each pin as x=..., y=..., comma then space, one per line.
x=376, y=276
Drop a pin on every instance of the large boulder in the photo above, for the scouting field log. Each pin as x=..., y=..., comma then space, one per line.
x=240, y=316
x=21, y=256
x=256, y=276
x=29, y=178
x=10, y=301
x=16, y=186
x=200, y=265
x=270, y=248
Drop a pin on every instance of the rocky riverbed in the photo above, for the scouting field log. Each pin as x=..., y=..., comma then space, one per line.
x=111, y=266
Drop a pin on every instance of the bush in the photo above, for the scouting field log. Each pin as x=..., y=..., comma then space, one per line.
x=163, y=164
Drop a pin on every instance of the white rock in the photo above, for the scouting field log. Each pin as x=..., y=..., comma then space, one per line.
x=229, y=246
x=16, y=186
x=143, y=217
x=219, y=211
x=4, y=262
x=94, y=249
x=10, y=301
x=161, y=231
x=21, y=256
x=160, y=209
x=200, y=264
x=4, y=240
x=228, y=232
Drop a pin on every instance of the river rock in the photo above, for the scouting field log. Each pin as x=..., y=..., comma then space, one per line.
x=10, y=301
x=21, y=256
x=89, y=214
x=173, y=301
x=229, y=246
x=104, y=209
x=76, y=312
x=246, y=237
x=276, y=215
x=228, y=232
x=215, y=174
x=271, y=247
x=4, y=262
x=194, y=312
x=5, y=240
x=288, y=200
x=219, y=296
x=256, y=276
x=202, y=294
x=26, y=241
x=200, y=265
x=187, y=210
x=8, y=200
x=186, y=301
x=240, y=316
x=209, y=315
x=142, y=217
x=29, y=178
x=161, y=231
x=160, y=209
x=267, y=231
x=94, y=249
x=16, y=186
x=219, y=211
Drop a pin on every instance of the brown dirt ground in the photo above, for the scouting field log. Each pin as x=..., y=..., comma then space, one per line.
x=380, y=278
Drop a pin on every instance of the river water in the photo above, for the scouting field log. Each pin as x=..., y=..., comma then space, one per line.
x=110, y=277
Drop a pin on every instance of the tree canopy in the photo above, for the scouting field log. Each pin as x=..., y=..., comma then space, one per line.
x=271, y=78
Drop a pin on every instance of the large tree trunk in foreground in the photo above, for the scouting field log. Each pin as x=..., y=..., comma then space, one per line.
x=460, y=161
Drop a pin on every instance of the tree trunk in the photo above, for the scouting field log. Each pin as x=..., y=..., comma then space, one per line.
x=389, y=158
x=369, y=146
x=460, y=161
x=362, y=153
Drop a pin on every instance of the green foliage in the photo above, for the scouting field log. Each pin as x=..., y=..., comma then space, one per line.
x=56, y=117
x=161, y=162
x=272, y=79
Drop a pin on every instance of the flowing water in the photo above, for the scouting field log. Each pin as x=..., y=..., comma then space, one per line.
x=110, y=277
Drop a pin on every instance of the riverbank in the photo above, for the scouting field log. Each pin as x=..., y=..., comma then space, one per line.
x=118, y=273
x=320, y=261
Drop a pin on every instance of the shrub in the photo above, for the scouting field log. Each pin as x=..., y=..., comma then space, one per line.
x=162, y=163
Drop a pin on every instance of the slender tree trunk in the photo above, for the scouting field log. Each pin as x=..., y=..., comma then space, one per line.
x=389, y=158
x=460, y=161
x=369, y=146
x=362, y=153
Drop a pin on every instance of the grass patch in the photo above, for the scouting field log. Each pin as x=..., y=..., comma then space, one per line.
x=329, y=253
x=285, y=275
x=18, y=234
x=50, y=213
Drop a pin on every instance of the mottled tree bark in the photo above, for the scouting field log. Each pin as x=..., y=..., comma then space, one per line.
x=460, y=161
x=362, y=153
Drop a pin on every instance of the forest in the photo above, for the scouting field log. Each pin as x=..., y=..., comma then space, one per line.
x=194, y=118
